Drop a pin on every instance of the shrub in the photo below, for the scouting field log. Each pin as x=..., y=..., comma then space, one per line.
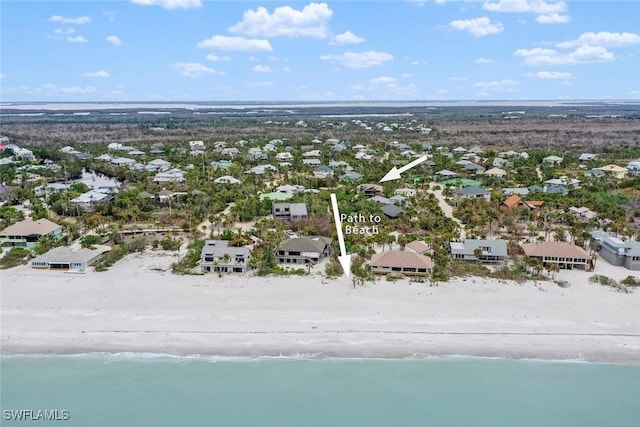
x=631, y=281
x=90, y=240
x=15, y=256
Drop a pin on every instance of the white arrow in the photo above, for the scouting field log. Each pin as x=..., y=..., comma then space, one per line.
x=344, y=258
x=394, y=173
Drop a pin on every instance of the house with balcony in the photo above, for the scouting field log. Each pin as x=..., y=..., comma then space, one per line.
x=625, y=253
x=485, y=251
x=289, y=211
x=566, y=255
x=218, y=257
x=25, y=234
x=304, y=250
x=401, y=262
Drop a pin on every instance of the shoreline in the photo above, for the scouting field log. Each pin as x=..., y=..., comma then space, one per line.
x=135, y=308
x=539, y=348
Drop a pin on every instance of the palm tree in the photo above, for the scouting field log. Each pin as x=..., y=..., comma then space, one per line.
x=45, y=243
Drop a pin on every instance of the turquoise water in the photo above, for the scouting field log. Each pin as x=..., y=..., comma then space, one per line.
x=122, y=390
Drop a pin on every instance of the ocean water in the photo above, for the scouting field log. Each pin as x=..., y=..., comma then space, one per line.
x=154, y=391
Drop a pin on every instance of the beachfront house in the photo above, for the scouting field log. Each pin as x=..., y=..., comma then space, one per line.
x=25, y=234
x=617, y=251
x=566, y=255
x=64, y=258
x=289, y=211
x=304, y=250
x=401, y=262
x=218, y=257
x=485, y=251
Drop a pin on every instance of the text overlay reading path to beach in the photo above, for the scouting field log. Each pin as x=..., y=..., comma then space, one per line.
x=360, y=224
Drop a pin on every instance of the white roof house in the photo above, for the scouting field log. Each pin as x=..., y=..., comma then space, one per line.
x=122, y=161
x=284, y=156
x=227, y=179
x=160, y=164
x=172, y=175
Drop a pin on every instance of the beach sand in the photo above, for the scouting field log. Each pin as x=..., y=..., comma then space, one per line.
x=135, y=307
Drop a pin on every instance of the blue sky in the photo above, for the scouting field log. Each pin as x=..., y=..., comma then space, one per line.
x=198, y=50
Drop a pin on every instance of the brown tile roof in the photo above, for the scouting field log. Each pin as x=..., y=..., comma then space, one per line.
x=418, y=246
x=512, y=200
x=27, y=227
x=401, y=259
x=533, y=204
x=554, y=249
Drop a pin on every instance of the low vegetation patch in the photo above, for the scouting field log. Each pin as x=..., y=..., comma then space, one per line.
x=190, y=261
x=120, y=251
x=608, y=281
x=15, y=257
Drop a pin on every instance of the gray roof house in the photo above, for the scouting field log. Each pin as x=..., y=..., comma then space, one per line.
x=289, y=211
x=218, y=257
x=392, y=211
x=63, y=258
x=89, y=200
x=493, y=251
x=304, y=250
x=616, y=251
x=473, y=193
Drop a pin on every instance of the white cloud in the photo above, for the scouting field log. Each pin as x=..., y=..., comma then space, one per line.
x=76, y=39
x=261, y=69
x=483, y=60
x=407, y=75
x=521, y=6
x=100, y=74
x=346, y=38
x=311, y=21
x=553, y=18
x=114, y=40
x=2, y=76
x=286, y=69
x=170, y=4
x=383, y=80
x=215, y=58
x=235, y=43
x=603, y=38
x=81, y=20
x=259, y=84
x=194, y=69
x=65, y=31
x=458, y=79
x=548, y=13
x=550, y=75
x=359, y=59
x=583, y=54
x=70, y=90
x=479, y=27
x=498, y=85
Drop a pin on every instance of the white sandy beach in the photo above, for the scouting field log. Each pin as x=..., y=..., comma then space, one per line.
x=135, y=308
